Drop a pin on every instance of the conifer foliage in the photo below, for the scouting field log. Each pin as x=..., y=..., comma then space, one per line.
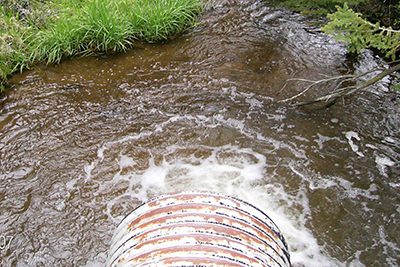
x=349, y=26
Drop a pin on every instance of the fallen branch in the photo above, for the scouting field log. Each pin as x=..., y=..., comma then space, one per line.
x=312, y=84
x=339, y=90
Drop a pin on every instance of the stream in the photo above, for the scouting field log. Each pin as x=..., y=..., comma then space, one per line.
x=82, y=143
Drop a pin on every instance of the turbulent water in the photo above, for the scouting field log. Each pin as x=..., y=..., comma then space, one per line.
x=84, y=142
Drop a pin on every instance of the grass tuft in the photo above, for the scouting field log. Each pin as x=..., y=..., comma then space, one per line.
x=63, y=28
x=62, y=38
x=157, y=20
x=12, y=45
x=105, y=27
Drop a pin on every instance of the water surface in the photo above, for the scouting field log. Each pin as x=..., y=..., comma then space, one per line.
x=84, y=142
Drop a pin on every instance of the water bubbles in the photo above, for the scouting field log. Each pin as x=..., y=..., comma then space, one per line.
x=228, y=169
x=354, y=135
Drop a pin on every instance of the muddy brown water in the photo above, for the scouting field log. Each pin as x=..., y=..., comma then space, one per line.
x=83, y=142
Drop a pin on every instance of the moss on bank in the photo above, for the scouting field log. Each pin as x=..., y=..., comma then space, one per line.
x=49, y=31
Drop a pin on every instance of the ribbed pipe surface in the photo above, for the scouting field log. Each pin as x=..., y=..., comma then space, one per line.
x=198, y=229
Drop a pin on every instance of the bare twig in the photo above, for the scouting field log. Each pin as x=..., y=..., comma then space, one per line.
x=345, y=91
x=338, y=90
x=312, y=84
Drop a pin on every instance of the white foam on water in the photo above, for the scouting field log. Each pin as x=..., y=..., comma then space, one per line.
x=388, y=245
x=229, y=170
x=323, y=139
x=356, y=261
x=346, y=188
x=98, y=261
x=125, y=161
x=200, y=121
x=239, y=125
x=395, y=185
x=382, y=163
x=350, y=135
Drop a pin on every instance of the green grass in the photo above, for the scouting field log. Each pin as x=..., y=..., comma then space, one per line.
x=111, y=26
x=13, y=49
x=104, y=30
x=62, y=28
x=156, y=20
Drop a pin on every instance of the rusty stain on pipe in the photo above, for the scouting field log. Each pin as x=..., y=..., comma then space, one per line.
x=198, y=229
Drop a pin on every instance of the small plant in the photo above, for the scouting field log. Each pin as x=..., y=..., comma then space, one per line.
x=351, y=28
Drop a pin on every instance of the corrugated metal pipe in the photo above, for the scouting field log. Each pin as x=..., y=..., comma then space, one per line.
x=198, y=229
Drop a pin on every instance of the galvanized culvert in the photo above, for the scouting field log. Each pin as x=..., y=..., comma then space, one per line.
x=198, y=229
